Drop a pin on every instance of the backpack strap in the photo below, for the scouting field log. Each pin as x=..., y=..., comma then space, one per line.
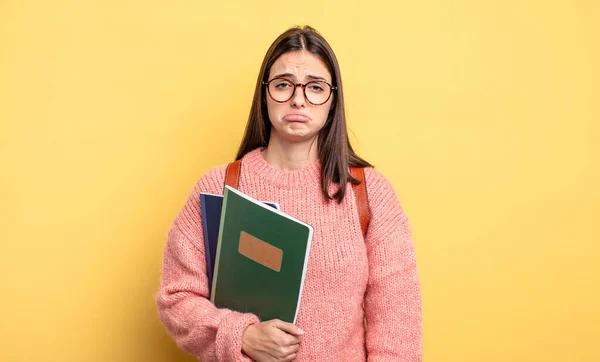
x=232, y=178
x=362, y=199
x=232, y=174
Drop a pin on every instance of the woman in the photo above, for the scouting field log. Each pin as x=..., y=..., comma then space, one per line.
x=296, y=152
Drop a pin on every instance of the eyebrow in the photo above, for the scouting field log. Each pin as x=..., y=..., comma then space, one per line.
x=310, y=76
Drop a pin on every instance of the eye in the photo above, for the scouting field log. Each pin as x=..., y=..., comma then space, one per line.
x=316, y=87
x=282, y=84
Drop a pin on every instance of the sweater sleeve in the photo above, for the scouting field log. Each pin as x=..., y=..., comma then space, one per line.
x=392, y=300
x=196, y=325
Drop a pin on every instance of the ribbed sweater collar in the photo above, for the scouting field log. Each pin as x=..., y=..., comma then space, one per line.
x=254, y=163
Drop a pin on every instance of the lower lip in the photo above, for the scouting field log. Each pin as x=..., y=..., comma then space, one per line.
x=296, y=118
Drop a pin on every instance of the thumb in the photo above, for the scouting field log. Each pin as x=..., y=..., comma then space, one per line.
x=288, y=328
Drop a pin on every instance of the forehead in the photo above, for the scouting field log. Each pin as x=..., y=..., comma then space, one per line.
x=300, y=63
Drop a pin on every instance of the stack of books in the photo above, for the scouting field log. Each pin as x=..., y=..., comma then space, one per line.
x=256, y=255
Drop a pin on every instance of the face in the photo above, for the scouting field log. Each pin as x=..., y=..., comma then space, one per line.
x=297, y=120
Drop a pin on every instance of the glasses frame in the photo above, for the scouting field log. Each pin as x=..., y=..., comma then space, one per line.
x=301, y=85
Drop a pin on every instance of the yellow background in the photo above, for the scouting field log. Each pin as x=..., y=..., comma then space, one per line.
x=485, y=115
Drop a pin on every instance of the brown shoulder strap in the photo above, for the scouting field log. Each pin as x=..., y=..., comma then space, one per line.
x=232, y=174
x=232, y=178
x=362, y=200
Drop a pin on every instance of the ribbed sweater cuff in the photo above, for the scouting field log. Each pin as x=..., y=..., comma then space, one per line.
x=229, y=336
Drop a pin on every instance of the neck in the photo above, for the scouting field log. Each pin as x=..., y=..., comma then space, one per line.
x=289, y=156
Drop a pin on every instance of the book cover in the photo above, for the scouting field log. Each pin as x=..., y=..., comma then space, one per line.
x=261, y=259
x=211, y=206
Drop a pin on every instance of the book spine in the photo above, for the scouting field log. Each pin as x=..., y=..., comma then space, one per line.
x=218, y=253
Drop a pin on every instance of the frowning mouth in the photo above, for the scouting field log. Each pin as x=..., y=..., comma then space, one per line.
x=296, y=117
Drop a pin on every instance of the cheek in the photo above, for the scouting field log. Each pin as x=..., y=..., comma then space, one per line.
x=273, y=108
x=324, y=112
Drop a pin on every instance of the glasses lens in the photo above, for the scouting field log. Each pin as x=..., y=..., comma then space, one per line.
x=281, y=89
x=317, y=92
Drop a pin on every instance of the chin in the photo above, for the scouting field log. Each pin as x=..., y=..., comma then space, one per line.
x=295, y=137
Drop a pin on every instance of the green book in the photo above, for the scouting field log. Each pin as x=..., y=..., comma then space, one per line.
x=261, y=260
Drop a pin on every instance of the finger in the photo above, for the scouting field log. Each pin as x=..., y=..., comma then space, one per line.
x=284, y=351
x=289, y=358
x=288, y=327
x=292, y=349
x=286, y=339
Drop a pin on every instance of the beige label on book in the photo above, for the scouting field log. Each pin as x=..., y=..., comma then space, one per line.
x=260, y=251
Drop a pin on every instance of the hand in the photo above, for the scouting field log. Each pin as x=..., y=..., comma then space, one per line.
x=271, y=341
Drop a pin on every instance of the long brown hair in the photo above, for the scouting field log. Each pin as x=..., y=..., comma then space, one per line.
x=335, y=152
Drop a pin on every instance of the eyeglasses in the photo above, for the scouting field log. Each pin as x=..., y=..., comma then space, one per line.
x=316, y=92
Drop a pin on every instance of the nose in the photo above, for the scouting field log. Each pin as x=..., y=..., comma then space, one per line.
x=298, y=100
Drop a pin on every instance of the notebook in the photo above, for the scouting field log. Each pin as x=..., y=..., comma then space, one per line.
x=211, y=206
x=261, y=259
